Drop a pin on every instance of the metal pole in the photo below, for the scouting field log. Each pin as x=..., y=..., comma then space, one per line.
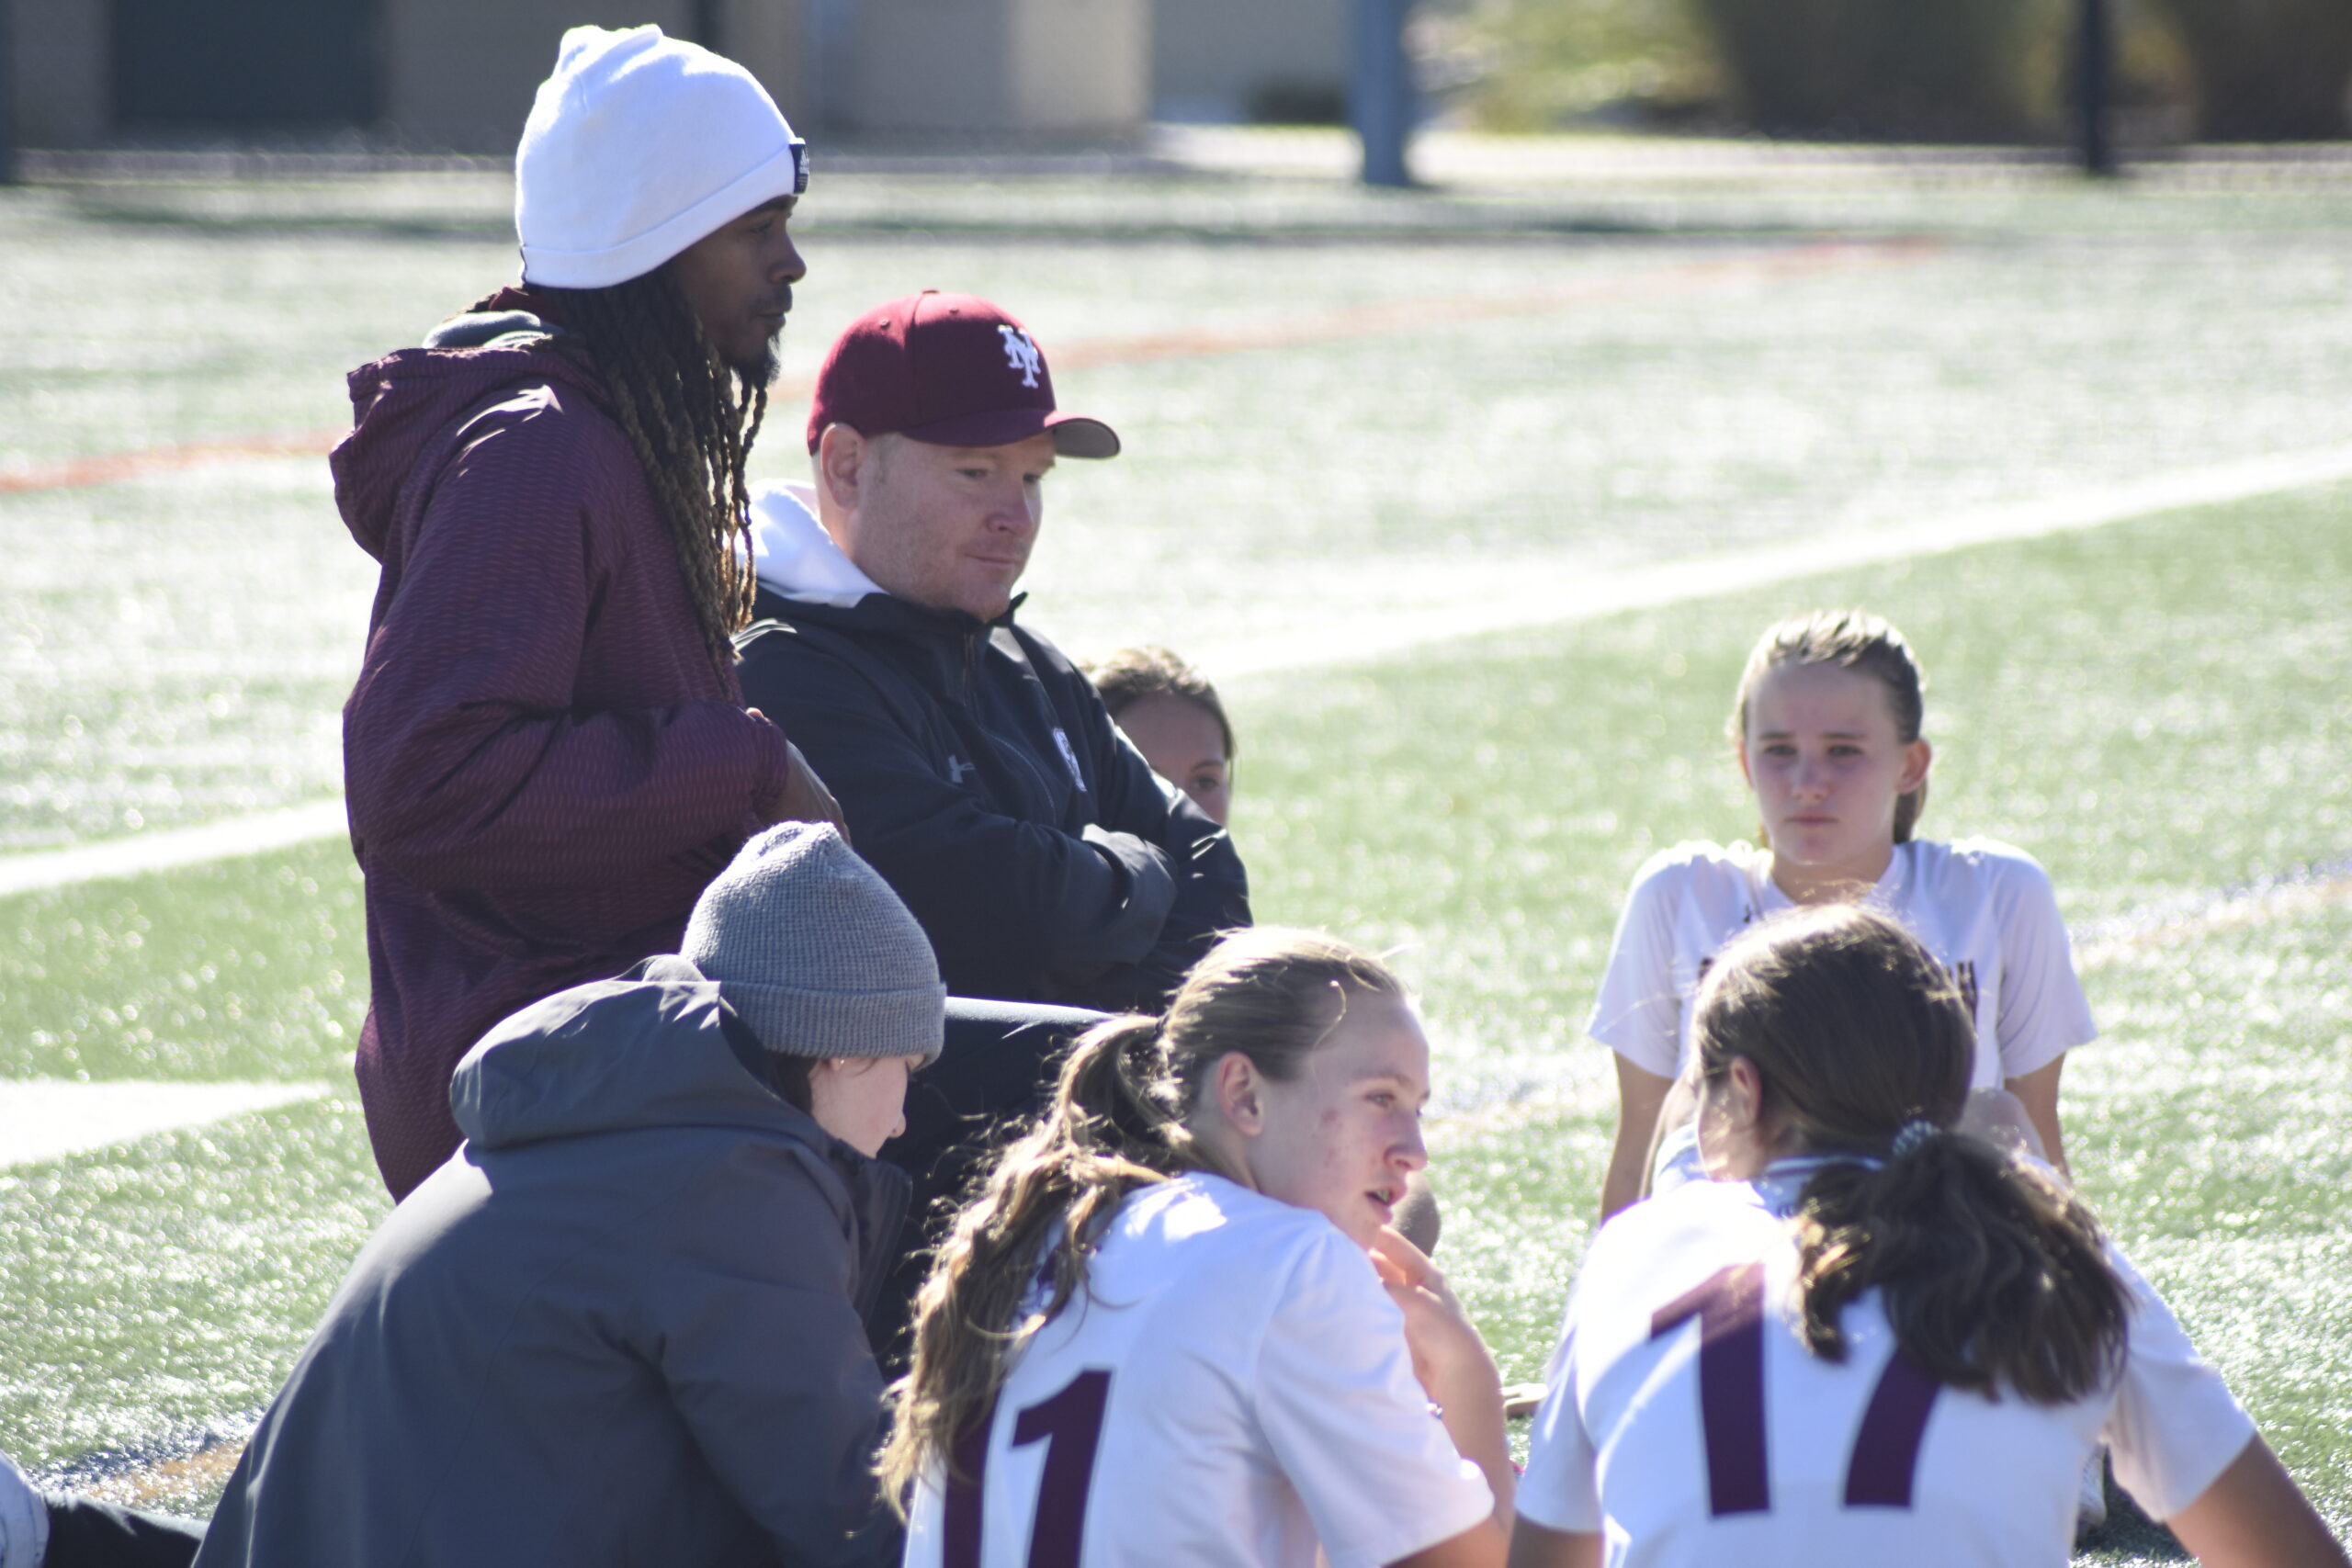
x=1380, y=89
x=7, y=96
x=2095, y=67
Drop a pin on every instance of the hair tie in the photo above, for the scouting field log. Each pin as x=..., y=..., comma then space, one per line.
x=1911, y=1135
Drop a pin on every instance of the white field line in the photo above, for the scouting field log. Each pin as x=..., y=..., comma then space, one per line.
x=46, y=1119
x=171, y=847
x=2126, y=938
x=1531, y=600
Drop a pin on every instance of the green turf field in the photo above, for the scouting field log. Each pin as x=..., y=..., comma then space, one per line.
x=2156, y=708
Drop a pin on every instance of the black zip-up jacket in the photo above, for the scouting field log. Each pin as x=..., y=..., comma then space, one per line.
x=982, y=776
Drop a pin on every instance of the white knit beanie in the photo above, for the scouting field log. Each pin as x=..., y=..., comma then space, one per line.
x=638, y=146
x=812, y=949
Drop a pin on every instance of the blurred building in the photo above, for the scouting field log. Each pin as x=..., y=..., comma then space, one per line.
x=458, y=74
x=1236, y=60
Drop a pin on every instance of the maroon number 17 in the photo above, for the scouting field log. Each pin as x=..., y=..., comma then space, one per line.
x=1729, y=1305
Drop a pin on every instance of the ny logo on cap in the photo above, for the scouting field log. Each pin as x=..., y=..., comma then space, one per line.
x=1022, y=355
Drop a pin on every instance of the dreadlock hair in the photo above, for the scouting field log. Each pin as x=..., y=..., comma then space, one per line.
x=1119, y=1121
x=691, y=418
x=1992, y=1273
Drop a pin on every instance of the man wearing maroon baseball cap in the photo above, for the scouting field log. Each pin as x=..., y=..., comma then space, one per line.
x=949, y=370
x=979, y=770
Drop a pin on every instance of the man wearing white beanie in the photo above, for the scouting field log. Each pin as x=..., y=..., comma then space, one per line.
x=547, y=754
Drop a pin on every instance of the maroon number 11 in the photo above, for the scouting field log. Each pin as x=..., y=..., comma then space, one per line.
x=1069, y=1424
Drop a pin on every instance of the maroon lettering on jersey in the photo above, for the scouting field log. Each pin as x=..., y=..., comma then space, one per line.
x=1886, y=1450
x=959, y=1525
x=1729, y=1306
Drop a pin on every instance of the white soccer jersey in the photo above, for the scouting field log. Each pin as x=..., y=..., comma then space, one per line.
x=1688, y=1424
x=1234, y=1388
x=1983, y=909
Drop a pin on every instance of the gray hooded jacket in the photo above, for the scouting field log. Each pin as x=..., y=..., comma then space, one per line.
x=620, y=1325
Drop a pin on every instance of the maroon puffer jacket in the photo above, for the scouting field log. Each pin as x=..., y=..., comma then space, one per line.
x=542, y=764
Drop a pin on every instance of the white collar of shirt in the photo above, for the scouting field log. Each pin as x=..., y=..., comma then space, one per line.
x=1781, y=1185
x=795, y=557
x=1884, y=893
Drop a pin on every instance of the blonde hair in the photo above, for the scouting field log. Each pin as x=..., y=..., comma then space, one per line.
x=1992, y=1273
x=1851, y=639
x=1118, y=1122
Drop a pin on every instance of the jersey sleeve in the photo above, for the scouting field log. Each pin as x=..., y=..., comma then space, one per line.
x=1636, y=1013
x=2043, y=1013
x=2175, y=1425
x=1349, y=1425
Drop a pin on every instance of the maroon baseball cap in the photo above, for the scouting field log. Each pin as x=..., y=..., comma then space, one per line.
x=950, y=370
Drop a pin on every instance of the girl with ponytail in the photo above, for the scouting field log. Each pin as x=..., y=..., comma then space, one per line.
x=1175, y=1324
x=1871, y=1338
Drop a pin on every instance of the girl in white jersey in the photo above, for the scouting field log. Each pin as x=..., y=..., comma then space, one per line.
x=1176, y=1327
x=1871, y=1338
x=1827, y=729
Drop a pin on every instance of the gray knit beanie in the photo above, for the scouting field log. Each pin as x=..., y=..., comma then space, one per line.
x=816, y=953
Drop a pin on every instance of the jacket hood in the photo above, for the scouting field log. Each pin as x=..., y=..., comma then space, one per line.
x=795, y=558
x=804, y=578
x=649, y=1049
x=401, y=403
x=798, y=562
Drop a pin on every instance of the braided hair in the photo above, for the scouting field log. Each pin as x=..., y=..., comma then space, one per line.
x=691, y=418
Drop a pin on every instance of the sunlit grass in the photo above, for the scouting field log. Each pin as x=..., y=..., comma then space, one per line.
x=2157, y=709
x=2096, y=700
x=240, y=969
x=174, y=647
x=1480, y=805
x=161, y=1286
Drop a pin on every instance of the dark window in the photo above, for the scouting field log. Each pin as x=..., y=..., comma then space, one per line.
x=244, y=64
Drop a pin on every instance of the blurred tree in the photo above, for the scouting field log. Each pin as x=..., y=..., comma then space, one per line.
x=1937, y=69
x=2267, y=70
x=1535, y=64
x=1927, y=70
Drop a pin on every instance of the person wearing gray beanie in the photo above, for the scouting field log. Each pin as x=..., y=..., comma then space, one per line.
x=624, y=1322
x=816, y=954
x=547, y=754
